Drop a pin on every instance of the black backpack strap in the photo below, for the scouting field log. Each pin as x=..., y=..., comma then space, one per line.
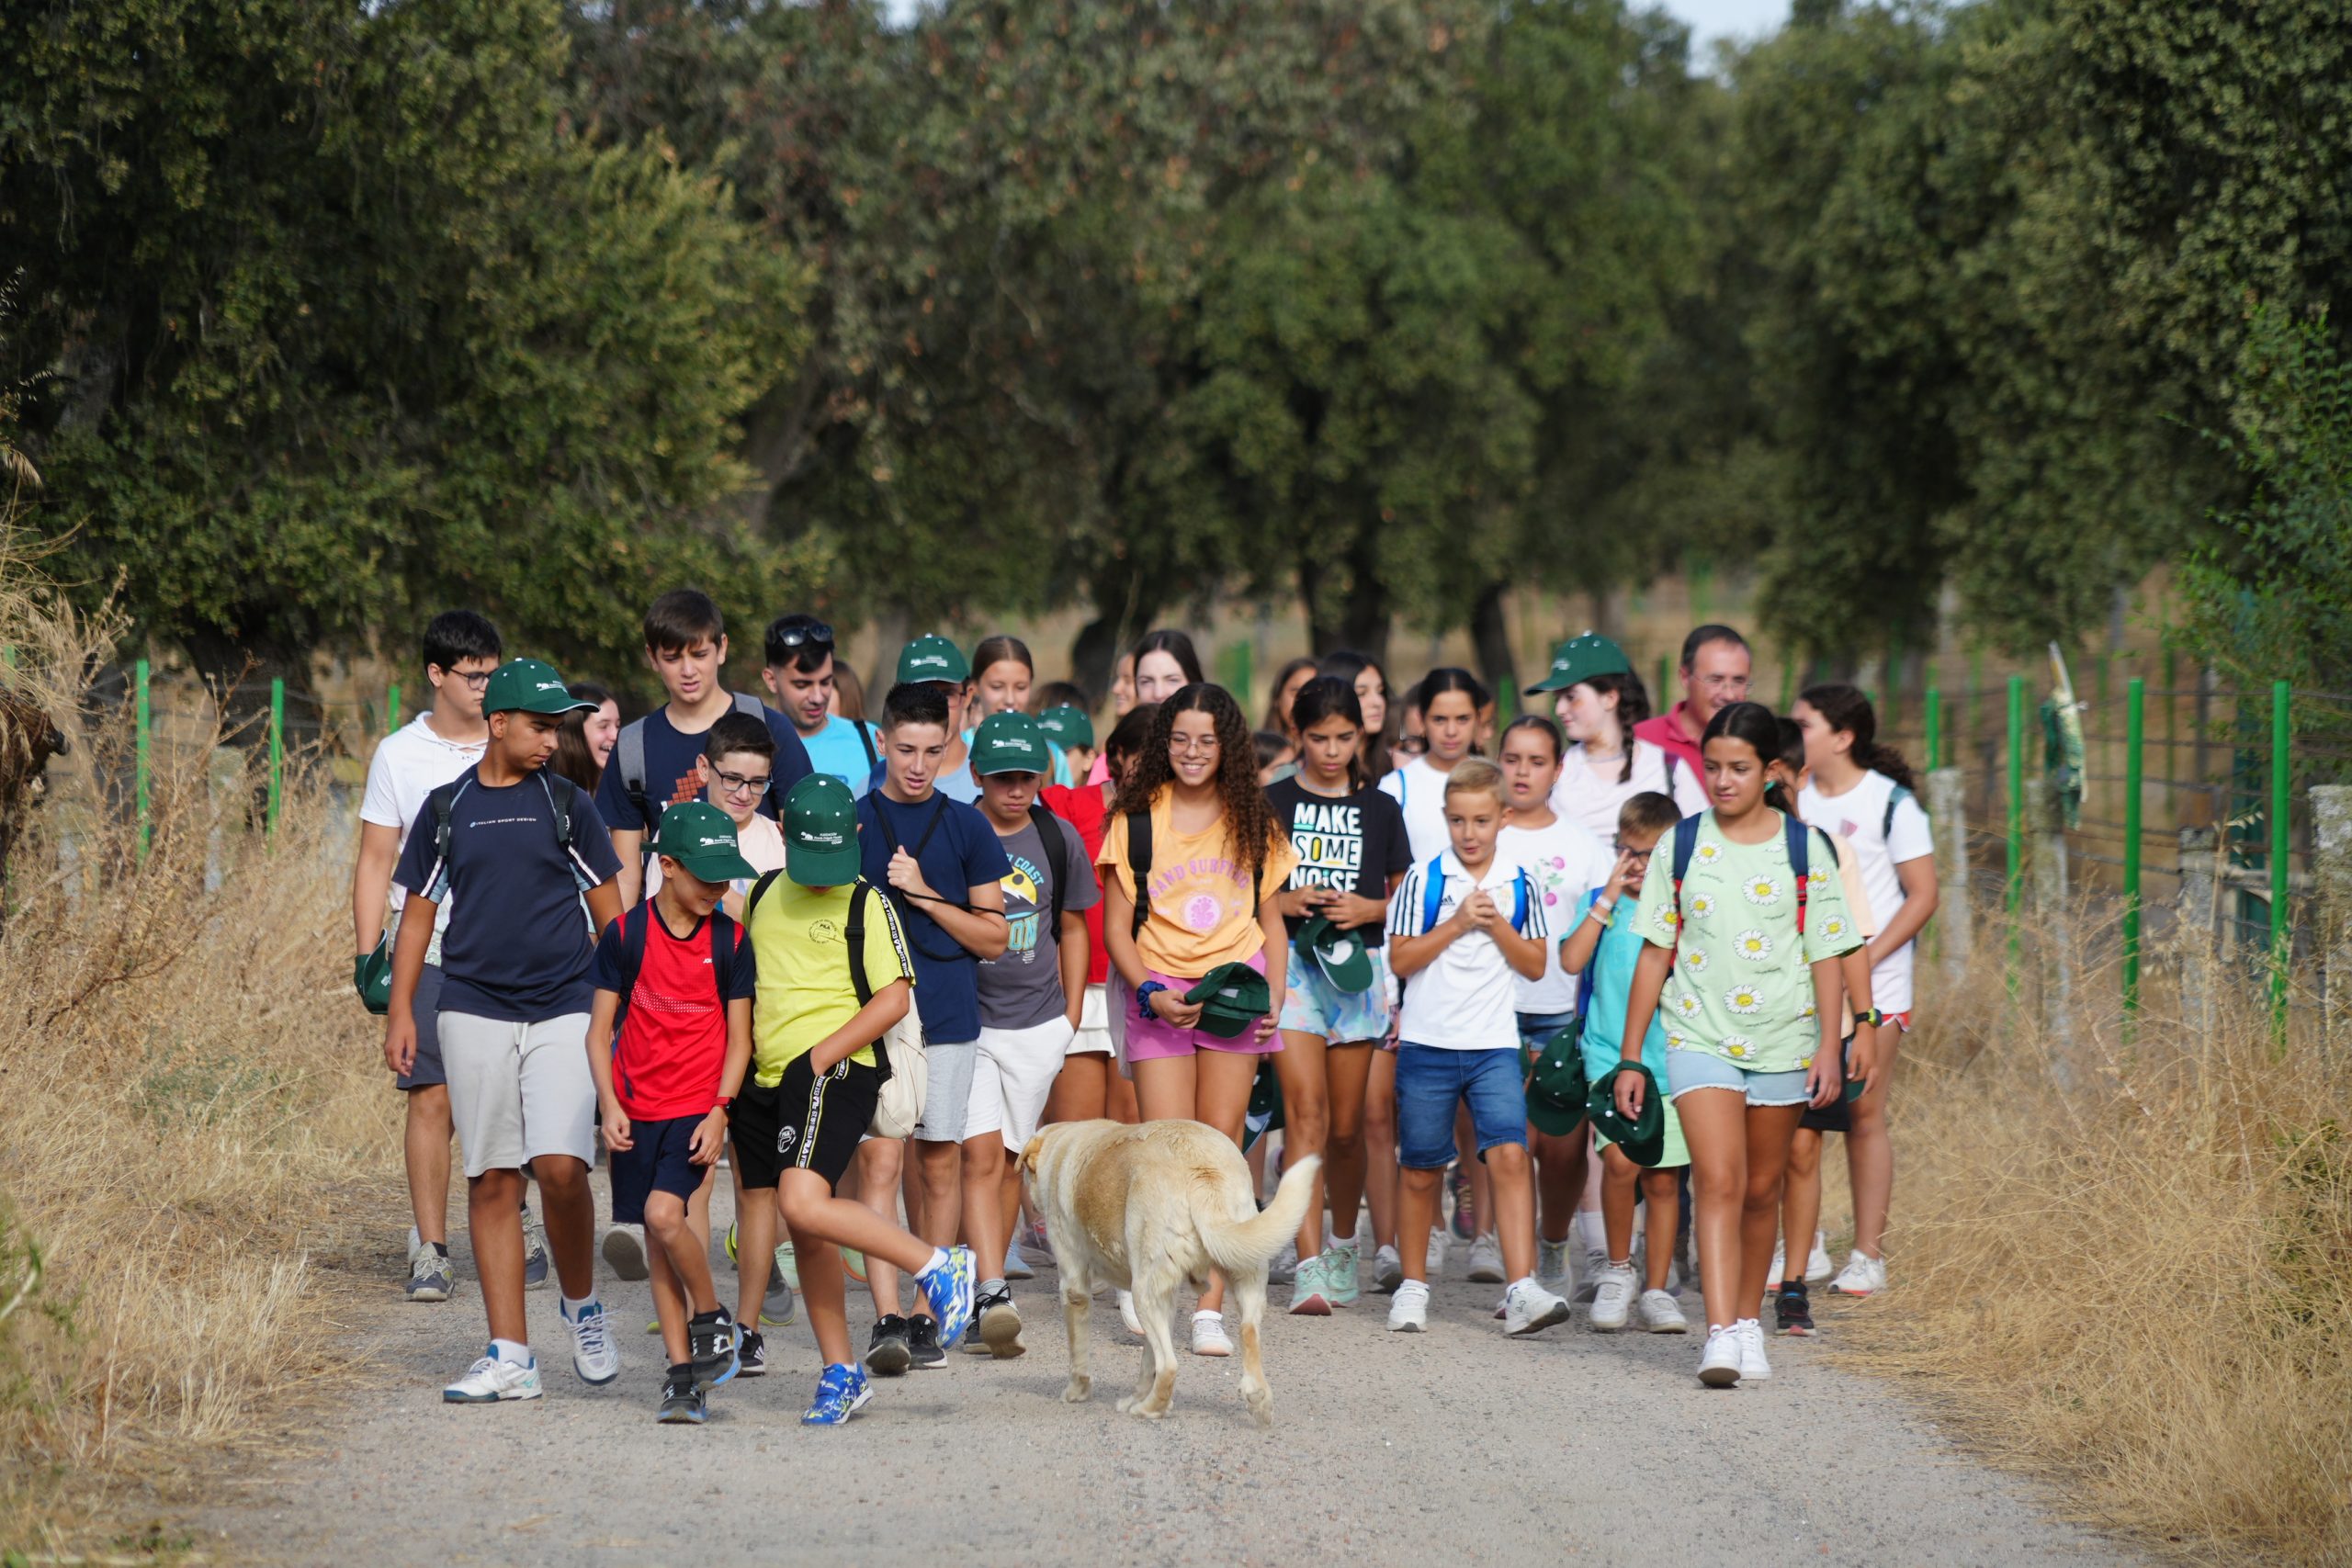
x=628, y=755
x=633, y=937
x=752, y=901
x=1139, y=865
x=444, y=802
x=866, y=739
x=722, y=954
x=854, y=934
x=1057, y=849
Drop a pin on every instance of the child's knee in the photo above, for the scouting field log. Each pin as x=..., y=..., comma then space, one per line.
x=1342, y=1145
x=1507, y=1161
x=1419, y=1179
x=560, y=1177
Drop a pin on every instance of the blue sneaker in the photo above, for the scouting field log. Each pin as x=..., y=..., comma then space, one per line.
x=841, y=1393
x=948, y=1290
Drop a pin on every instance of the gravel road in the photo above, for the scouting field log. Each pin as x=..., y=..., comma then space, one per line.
x=1455, y=1445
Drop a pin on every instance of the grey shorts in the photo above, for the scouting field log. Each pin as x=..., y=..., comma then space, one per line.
x=426, y=1070
x=1687, y=1070
x=946, y=1090
x=519, y=1090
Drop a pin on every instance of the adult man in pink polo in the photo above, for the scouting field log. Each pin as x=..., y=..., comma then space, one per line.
x=1716, y=666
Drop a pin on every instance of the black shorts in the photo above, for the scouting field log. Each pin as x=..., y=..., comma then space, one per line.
x=1837, y=1116
x=657, y=1160
x=804, y=1123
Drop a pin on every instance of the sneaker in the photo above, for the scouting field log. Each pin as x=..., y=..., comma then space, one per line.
x=788, y=1265
x=1793, y=1309
x=1015, y=1266
x=1863, y=1276
x=751, y=1354
x=415, y=1245
x=1818, y=1267
x=1127, y=1317
x=1551, y=1262
x=1589, y=1272
x=1486, y=1260
x=535, y=1254
x=1719, y=1364
x=1777, y=1270
x=1339, y=1273
x=625, y=1252
x=730, y=1243
x=1208, y=1334
x=923, y=1340
x=778, y=1308
x=492, y=1379
x=1387, y=1269
x=841, y=1393
x=429, y=1275
x=1410, y=1312
x=1529, y=1308
x=853, y=1261
x=948, y=1290
x=1465, y=1217
x=1753, y=1367
x=890, y=1352
x=1612, y=1297
x=712, y=1348
x=1000, y=1326
x=683, y=1404
x=1436, y=1260
x=1309, y=1297
x=1660, y=1314
x=1686, y=1263
x=595, y=1355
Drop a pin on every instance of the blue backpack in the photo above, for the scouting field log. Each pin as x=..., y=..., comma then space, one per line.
x=1434, y=896
x=1792, y=831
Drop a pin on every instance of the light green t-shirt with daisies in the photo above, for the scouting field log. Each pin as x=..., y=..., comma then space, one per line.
x=1742, y=982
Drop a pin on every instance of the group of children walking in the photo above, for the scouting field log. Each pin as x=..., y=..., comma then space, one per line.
x=860, y=965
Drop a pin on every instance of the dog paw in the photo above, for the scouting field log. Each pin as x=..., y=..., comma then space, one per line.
x=1079, y=1391
x=1146, y=1411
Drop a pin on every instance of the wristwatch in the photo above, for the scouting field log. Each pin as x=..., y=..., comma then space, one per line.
x=1143, y=998
x=1873, y=1017
x=726, y=1100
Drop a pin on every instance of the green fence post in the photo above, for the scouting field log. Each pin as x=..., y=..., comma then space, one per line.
x=392, y=708
x=277, y=750
x=2015, y=881
x=2282, y=927
x=9, y=654
x=1935, y=729
x=2134, y=726
x=1788, y=681
x=146, y=753
x=1660, y=704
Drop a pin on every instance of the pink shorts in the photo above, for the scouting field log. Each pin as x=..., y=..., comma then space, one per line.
x=1154, y=1039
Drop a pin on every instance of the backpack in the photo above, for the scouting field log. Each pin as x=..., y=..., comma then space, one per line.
x=1140, y=867
x=1058, y=845
x=635, y=934
x=1433, y=897
x=629, y=756
x=898, y=1054
x=1794, y=834
x=566, y=807
x=1895, y=798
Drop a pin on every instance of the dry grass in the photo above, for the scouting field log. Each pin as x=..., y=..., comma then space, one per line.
x=2127, y=1258
x=193, y=1120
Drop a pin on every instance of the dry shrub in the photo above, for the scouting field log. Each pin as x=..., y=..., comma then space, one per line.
x=2127, y=1254
x=193, y=1118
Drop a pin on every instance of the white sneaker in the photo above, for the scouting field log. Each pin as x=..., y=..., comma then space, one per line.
x=1863, y=1276
x=1015, y=1266
x=1589, y=1270
x=595, y=1354
x=1753, y=1367
x=1614, y=1298
x=1551, y=1262
x=1818, y=1268
x=1387, y=1269
x=625, y=1252
x=490, y=1380
x=1436, y=1264
x=535, y=1254
x=1529, y=1308
x=1772, y=1276
x=1128, y=1314
x=415, y=1243
x=1486, y=1260
x=1662, y=1314
x=1208, y=1334
x=1410, y=1312
x=1719, y=1364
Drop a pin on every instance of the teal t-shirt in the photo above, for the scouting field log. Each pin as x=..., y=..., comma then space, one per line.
x=1614, y=959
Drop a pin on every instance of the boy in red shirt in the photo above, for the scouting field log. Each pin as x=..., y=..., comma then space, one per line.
x=673, y=1016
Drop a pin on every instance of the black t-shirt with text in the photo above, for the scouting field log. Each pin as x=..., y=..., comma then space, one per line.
x=1353, y=842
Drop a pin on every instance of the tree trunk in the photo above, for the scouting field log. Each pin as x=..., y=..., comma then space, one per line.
x=1360, y=618
x=1124, y=604
x=1490, y=635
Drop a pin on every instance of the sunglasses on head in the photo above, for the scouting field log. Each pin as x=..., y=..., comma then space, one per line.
x=816, y=632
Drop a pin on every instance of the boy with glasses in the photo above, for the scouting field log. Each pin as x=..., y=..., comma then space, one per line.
x=799, y=676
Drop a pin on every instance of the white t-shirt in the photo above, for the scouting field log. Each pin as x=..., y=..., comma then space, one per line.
x=1565, y=863
x=1467, y=1000
x=411, y=763
x=1420, y=790
x=1860, y=816
x=1594, y=796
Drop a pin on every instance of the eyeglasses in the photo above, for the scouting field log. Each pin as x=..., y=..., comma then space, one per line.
x=475, y=679
x=737, y=783
x=814, y=632
x=1187, y=746
x=1630, y=852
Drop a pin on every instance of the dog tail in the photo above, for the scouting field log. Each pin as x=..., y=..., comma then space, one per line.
x=1248, y=1246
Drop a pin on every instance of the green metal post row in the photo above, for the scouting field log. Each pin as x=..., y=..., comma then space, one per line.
x=1935, y=729
x=392, y=708
x=2282, y=926
x=276, y=751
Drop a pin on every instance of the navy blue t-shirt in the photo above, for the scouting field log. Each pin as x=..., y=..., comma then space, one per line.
x=517, y=947
x=670, y=773
x=958, y=852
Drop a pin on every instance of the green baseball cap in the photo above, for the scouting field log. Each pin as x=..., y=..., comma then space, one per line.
x=1009, y=743
x=1643, y=1141
x=1232, y=998
x=1555, y=1087
x=701, y=838
x=1340, y=954
x=933, y=658
x=528, y=685
x=1580, y=659
x=1067, y=726
x=821, y=832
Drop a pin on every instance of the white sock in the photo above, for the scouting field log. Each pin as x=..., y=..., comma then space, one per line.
x=1588, y=1230
x=513, y=1351
x=1417, y=1287
x=938, y=1260
x=1204, y=1312
x=572, y=1309
x=1529, y=1283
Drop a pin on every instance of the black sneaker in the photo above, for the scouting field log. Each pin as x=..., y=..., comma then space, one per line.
x=923, y=1340
x=682, y=1399
x=711, y=1347
x=750, y=1355
x=1794, y=1309
x=997, y=1330
x=888, y=1353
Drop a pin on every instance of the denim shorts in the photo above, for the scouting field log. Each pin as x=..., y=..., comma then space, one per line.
x=1315, y=1006
x=1687, y=1070
x=1431, y=1080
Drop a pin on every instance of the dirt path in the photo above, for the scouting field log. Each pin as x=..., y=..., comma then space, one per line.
x=1456, y=1445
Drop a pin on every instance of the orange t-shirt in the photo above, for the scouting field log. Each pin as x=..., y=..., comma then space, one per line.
x=1203, y=910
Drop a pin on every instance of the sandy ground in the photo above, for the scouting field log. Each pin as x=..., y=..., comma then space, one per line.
x=1455, y=1445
